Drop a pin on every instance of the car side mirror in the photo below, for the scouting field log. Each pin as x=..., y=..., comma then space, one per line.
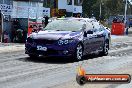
x=90, y=32
x=85, y=34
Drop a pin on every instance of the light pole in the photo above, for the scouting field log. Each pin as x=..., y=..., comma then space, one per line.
x=3, y=1
x=100, y=13
x=100, y=8
x=72, y=7
x=125, y=12
x=2, y=24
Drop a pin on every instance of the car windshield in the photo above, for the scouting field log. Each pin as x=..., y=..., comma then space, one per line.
x=64, y=25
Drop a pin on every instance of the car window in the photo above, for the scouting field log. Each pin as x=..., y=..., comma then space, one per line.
x=65, y=25
x=95, y=30
x=89, y=26
x=96, y=25
x=101, y=29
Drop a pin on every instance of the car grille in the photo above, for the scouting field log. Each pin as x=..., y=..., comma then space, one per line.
x=44, y=41
x=48, y=52
x=51, y=52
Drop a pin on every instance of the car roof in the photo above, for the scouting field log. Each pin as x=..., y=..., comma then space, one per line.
x=86, y=19
x=72, y=18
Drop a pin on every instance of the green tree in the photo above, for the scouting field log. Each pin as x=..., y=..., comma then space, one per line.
x=88, y=7
x=92, y=8
x=96, y=9
x=115, y=7
x=108, y=8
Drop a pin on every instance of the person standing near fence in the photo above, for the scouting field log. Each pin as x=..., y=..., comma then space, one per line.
x=46, y=20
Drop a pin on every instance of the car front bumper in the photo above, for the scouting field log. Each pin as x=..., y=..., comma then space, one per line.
x=52, y=50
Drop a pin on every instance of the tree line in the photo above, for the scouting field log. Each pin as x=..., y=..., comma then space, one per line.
x=102, y=9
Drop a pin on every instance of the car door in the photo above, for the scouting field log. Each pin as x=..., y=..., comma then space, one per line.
x=88, y=41
x=88, y=38
x=95, y=35
x=94, y=40
x=99, y=38
x=100, y=35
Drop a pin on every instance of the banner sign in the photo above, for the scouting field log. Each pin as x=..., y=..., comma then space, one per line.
x=6, y=9
x=77, y=9
x=30, y=12
x=46, y=11
x=19, y=12
x=24, y=11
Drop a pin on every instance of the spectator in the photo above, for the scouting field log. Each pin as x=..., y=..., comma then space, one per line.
x=24, y=36
x=40, y=28
x=6, y=37
x=130, y=22
x=19, y=37
x=115, y=19
x=46, y=20
x=34, y=28
x=78, y=15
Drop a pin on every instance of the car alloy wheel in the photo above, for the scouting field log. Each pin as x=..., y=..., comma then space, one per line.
x=79, y=52
x=106, y=48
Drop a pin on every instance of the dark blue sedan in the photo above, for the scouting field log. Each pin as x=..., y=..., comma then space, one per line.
x=69, y=38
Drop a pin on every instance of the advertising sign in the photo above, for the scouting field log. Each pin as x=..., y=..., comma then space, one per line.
x=77, y=9
x=30, y=12
x=19, y=12
x=6, y=9
x=24, y=11
x=46, y=11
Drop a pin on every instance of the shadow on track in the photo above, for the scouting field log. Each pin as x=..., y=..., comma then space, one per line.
x=48, y=60
x=55, y=60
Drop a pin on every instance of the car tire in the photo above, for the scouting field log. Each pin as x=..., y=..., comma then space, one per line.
x=105, y=49
x=79, y=52
x=33, y=56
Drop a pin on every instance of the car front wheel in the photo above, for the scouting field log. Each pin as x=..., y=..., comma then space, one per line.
x=79, y=52
x=105, y=48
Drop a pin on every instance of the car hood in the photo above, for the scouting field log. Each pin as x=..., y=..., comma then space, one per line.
x=55, y=35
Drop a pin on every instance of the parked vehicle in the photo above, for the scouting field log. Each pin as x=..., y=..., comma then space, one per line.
x=68, y=38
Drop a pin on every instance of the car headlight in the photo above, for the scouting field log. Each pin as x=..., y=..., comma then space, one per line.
x=65, y=42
